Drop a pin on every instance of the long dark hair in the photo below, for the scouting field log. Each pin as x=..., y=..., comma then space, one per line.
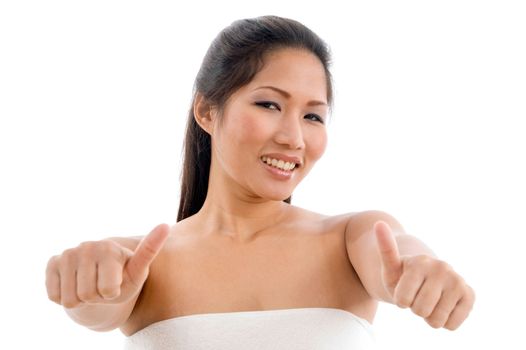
x=232, y=60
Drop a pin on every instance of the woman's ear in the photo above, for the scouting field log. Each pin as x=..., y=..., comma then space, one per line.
x=204, y=113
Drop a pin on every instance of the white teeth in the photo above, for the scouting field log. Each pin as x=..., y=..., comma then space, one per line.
x=287, y=166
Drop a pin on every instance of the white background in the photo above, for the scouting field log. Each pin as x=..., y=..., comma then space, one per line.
x=427, y=126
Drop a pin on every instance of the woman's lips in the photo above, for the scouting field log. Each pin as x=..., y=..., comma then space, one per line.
x=278, y=173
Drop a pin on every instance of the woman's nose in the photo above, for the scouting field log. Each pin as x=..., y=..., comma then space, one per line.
x=290, y=133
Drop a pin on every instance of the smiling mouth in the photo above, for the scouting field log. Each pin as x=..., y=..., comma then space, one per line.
x=279, y=164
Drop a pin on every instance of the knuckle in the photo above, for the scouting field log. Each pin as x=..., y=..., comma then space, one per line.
x=109, y=291
x=54, y=297
x=423, y=259
x=403, y=301
x=451, y=325
x=69, y=303
x=435, y=322
x=458, y=281
x=69, y=256
x=52, y=263
x=418, y=262
x=403, y=304
x=106, y=247
x=440, y=269
x=100, y=251
x=422, y=310
x=86, y=295
x=439, y=316
x=443, y=267
x=88, y=247
x=458, y=287
x=102, y=247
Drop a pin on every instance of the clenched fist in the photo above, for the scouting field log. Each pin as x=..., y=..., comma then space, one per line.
x=102, y=272
x=427, y=285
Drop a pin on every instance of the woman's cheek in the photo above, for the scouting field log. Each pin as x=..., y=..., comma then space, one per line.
x=317, y=143
x=251, y=128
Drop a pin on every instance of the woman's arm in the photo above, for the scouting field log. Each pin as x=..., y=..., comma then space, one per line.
x=102, y=317
x=105, y=317
x=400, y=269
x=99, y=282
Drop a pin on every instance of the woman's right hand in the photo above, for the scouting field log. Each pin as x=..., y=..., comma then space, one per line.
x=102, y=272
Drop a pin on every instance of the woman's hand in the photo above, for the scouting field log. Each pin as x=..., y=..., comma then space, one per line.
x=102, y=272
x=427, y=285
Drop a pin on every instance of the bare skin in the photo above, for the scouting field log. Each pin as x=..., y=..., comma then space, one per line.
x=246, y=249
x=301, y=263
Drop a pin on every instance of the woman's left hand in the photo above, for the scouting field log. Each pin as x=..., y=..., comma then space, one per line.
x=430, y=287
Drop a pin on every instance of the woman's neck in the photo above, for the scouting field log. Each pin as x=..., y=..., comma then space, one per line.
x=241, y=219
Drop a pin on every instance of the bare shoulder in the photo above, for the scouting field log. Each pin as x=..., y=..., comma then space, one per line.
x=309, y=215
x=360, y=223
x=339, y=223
x=336, y=230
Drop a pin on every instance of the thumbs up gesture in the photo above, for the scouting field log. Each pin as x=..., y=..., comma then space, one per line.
x=423, y=283
x=102, y=272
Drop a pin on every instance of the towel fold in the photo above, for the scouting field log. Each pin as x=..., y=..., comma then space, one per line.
x=291, y=329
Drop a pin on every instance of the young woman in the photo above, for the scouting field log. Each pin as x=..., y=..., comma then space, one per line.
x=243, y=267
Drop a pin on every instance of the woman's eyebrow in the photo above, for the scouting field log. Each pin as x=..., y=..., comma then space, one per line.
x=287, y=95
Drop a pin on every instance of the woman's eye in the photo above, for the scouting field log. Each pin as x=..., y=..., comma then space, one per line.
x=314, y=117
x=268, y=105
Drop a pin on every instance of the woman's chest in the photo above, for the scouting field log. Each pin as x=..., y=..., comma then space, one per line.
x=288, y=271
x=276, y=273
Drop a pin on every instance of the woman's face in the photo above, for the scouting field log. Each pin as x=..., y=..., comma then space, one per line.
x=279, y=117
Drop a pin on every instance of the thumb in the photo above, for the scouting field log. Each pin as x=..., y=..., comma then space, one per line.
x=146, y=251
x=388, y=249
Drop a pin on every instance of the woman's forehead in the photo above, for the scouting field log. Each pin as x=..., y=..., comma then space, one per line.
x=288, y=59
x=292, y=71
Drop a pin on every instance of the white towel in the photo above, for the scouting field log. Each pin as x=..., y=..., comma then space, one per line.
x=291, y=329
